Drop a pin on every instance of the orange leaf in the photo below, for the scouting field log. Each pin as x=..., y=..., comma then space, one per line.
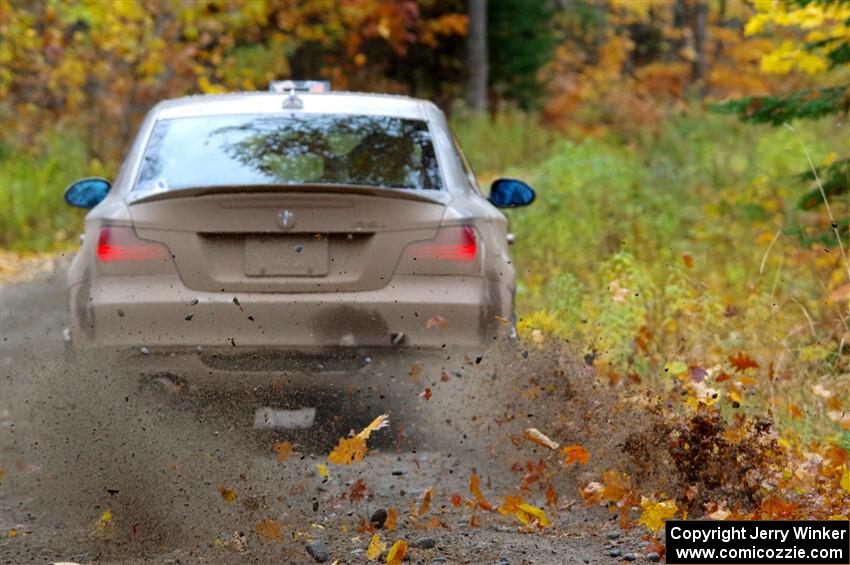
x=551, y=496
x=456, y=500
x=358, y=490
x=397, y=552
x=475, y=489
x=742, y=362
x=426, y=501
x=426, y=394
x=795, y=411
x=688, y=260
x=437, y=322
x=575, y=453
x=392, y=519
x=269, y=530
x=283, y=450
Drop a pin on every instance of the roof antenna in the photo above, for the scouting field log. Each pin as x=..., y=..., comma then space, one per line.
x=292, y=102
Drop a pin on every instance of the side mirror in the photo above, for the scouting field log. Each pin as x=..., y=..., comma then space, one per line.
x=510, y=193
x=87, y=192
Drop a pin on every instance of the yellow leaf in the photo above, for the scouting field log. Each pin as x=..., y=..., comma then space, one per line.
x=348, y=451
x=654, y=513
x=104, y=523
x=323, y=470
x=528, y=513
x=352, y=449
x=227, y=494
x=12, y=533
x=396, y=554
x=536, y=436
x=376, y=548
x=735, y=397
x=845, y=480
x=676, y=368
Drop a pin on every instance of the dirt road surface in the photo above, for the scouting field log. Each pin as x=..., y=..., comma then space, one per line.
x=82, y=444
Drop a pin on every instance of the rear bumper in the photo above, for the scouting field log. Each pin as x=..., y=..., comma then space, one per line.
x=413, y=312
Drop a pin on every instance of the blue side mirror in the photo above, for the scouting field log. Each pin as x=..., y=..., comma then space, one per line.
x=510, y=193
x=87, y=192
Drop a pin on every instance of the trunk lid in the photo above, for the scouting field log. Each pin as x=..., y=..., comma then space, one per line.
x=324, y=239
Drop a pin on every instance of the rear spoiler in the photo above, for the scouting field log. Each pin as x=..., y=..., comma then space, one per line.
x=433, y=196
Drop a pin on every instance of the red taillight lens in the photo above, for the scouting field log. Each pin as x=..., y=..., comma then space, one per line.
x=456, y=243
x=120, y=243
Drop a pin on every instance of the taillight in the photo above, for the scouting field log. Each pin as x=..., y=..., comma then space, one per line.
x=120, y=243
x=455, y=243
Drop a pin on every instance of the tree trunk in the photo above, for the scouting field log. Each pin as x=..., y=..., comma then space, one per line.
x=476, y=56
x=700, y=71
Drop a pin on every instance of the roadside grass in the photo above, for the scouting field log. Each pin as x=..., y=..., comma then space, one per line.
x=664, y=259
x=33, y=214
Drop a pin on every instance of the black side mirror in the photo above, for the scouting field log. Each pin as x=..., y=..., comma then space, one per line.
x=87, y=192
x=510, y=193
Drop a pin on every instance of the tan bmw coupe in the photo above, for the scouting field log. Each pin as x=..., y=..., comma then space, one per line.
x=334, y=225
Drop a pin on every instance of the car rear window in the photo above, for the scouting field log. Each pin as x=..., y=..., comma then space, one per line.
x=240, y=150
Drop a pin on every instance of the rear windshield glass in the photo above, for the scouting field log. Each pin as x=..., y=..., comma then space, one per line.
x=239, y=150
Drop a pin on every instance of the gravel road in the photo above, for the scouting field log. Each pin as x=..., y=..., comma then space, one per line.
x=79, y=444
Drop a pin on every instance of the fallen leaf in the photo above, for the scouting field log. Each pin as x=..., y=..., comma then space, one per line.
x=426, y=502
x=437, y=322
x=426, y=394
x=575, y=454
x=323, y=470
x=475, y=489
x=654, y=513
x=269, y=530
x=392, y=519
x=2, y=473
x=227, y=494
x=551, y=496
x=742, y=362
x=688, y=260
x=819, y=390
x=415, y=371
x=397, y=552
x=104, y=523
x=283, y=450
x=456, y=500
x=376, y=548
x=536, y=436
x=845, y=480
x=358, y=490
x=13, y=533
x=528, y=514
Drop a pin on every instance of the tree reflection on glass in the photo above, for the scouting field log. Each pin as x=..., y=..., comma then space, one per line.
x=291, y=149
